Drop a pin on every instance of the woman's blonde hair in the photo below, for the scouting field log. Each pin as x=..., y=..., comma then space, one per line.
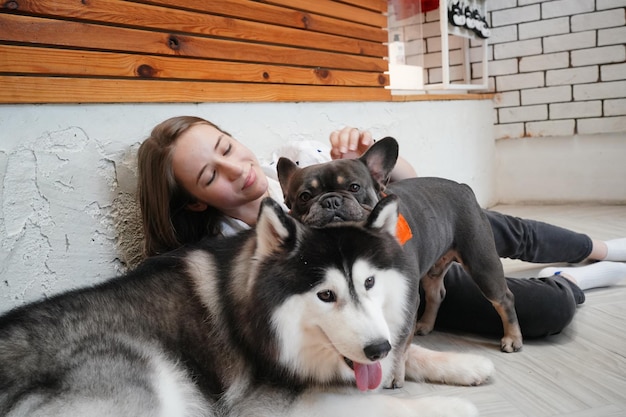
x=167, y=224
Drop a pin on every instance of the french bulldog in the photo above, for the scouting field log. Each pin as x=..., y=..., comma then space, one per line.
x=440, y=222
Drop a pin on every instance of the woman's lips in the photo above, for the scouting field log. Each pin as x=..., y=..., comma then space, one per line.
x=250, y=178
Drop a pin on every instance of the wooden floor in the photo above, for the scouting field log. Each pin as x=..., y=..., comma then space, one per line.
x=580, y=372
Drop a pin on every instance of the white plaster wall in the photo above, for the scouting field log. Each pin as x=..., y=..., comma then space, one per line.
x=68, y=215
x=562, y=169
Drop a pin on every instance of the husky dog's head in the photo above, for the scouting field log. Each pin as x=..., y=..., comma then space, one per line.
x=329, y=305
x=341, y=190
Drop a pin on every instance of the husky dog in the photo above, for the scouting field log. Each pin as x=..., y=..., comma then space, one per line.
x=283, y=320
x=441, y=223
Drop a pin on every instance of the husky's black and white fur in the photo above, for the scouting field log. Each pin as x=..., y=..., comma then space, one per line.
x=283, y=320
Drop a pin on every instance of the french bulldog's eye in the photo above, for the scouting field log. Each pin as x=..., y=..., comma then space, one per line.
x=354, y=187
x=327, y=296
x=369, y=282
x=305, y=196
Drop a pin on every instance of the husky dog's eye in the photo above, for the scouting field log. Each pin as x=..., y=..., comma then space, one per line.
x=305, y=196
x=354, y=187
x=327, y=296
x=369, y=283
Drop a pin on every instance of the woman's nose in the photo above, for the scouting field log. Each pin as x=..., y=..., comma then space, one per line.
x=230, y=169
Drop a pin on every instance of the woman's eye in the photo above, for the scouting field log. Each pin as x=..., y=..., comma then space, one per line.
x=228, y=149
x=355, y=187
x=327, y=296
x=211, y=179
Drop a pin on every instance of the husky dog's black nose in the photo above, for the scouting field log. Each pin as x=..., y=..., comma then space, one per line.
x=377, y=351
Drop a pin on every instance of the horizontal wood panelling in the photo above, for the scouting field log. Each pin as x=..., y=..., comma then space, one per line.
x=122, y=13
x=53, y=32
x=273, y=50
x=336, y=9
x=268, y=13
x=15, y=89
x=34, y=60
x=376, y=5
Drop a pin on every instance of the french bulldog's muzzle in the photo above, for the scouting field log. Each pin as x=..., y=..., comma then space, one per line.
x=335, y=207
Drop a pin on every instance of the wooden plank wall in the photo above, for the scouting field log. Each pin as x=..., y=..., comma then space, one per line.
x=116, y=51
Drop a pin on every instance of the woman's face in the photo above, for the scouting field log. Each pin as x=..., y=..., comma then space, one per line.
x=216, y=169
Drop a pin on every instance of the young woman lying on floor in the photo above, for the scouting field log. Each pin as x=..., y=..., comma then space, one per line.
x=195, y=180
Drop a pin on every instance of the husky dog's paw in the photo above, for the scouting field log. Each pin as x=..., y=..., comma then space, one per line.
x=394, y=382
x=396, y=379
x=444, y=407
x=471, y=370
x=447, y=367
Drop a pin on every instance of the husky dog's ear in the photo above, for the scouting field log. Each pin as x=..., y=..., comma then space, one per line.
x=380, y=159
x=275, y=229
x=285, y=169
x=384, y=216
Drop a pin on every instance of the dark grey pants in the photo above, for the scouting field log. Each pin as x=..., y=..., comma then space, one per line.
x=544, y=305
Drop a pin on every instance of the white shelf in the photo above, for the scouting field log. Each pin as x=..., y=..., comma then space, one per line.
x=415, y=77
x=447, y=29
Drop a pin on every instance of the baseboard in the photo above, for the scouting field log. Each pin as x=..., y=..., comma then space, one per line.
x=558, y=170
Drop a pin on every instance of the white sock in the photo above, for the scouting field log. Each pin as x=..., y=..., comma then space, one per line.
x=616, y=250
x=599, y=274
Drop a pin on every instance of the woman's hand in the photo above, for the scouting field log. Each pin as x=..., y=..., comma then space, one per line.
x=349, y=142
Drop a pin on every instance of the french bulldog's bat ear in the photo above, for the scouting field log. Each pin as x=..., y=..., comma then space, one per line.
x=380, y=159
x=285, y=169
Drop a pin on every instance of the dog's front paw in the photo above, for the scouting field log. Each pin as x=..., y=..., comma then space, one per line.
x=472, y=370
x=393, y=383
x=422, y=328
x=447, y=367
x=510, y=344
x=396, y=379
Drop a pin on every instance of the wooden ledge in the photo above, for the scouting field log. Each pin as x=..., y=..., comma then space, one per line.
x=442, y=97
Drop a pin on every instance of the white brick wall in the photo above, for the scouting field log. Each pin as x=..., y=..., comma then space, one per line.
x=515, y=15
x=598, y=20
x=550, y=128
x=572, y=76
x=610, y=4
x=519, y=81
x=551, y=9
x=569, y=42
x=612, y=72
x=575, y=110
x=517, y=49
x=543, y=62
x=546, y=95
x=613, y=89
x=559, y=66
x=543, y=28
x=599, y=55
x=615, y=107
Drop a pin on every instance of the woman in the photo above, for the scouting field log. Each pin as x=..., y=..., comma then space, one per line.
x=195, y=180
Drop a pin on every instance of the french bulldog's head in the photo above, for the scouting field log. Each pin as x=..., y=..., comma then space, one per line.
x=340, y=190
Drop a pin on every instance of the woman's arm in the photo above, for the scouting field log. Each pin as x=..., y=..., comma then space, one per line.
x=350, y=142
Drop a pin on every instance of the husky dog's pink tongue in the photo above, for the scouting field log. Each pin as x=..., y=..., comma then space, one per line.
x=368, y=376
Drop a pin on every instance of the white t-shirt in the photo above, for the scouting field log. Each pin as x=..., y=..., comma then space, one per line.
x=230, y=226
